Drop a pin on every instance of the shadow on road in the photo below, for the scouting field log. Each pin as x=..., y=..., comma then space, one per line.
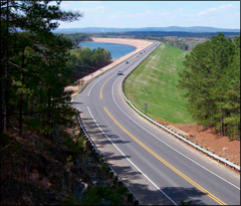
x=98, y=130
x=132, y=177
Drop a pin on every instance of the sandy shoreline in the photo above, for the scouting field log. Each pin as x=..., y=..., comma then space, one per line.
x=138, y=44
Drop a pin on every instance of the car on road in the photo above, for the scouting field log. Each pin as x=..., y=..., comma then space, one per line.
x=120, y=73
x=127, y=62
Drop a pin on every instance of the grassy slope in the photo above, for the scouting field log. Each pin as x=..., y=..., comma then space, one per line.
x=154, y=82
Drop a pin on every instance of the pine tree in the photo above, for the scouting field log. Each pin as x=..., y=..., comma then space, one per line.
x=33, y=62
x=211, y=79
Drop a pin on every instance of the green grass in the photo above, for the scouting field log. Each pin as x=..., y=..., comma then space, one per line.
x=155, y=82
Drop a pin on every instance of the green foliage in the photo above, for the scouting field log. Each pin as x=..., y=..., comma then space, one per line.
x=76, y=38
x=211, y=79
x=4, y=140
x=34, y=70
x=84, y=61
x=100, y=195
x=71, y=200
x=186, y=203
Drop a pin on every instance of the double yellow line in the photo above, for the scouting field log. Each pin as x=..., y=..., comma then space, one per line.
x=175, y=170
x=102, y=87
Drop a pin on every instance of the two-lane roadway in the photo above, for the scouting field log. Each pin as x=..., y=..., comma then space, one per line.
x=156, y=167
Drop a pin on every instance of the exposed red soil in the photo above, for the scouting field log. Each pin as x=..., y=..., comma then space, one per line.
x=215, y=143
x=207, y=138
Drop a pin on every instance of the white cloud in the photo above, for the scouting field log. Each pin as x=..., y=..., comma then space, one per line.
x=102, y=14
x=212, y=10
x=94, y=11
x=90, y=11
x=225, y=6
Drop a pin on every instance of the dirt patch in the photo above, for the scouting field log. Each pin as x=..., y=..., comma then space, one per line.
x=218, y=144
x=208, y=139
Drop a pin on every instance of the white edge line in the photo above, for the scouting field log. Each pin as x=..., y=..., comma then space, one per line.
x=128, y=59
x=97, y=150
x=223, y=160
x=131, y=161
x=92, y=87
x=184, y=139
x=168, y=144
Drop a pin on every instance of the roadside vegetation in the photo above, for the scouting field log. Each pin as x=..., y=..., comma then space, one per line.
x=36, y=170
x=76, y=38
x=45, y=159
x=211, y=79
x=201, y=86
x=84, y=61
x=154, y=83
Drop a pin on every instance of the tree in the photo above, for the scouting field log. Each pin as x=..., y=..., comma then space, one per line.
x=33, y=62
x=211, y=79
x=84, y=60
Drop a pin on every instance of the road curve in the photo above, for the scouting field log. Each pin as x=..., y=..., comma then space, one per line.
x=155, y=166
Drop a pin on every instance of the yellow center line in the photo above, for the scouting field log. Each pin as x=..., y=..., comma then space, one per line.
x=102, y=87
x=175, y=170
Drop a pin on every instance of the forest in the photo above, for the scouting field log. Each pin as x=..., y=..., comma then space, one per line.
x=45, y=158
x=181, y=40
x=33, y=65
x=143, y=34
x=211, y=81
x=76, y=38
x=84, y=61
x=36, y=65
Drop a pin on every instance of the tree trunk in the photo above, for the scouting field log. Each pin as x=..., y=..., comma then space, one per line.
x=1, y=78
x=21, y=99
x=221, y=123
x=49, y=116
x=6, y=106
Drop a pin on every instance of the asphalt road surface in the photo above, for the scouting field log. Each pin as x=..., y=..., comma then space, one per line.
x=155, y=166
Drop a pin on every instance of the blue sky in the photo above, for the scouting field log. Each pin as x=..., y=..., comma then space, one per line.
x=135, y=14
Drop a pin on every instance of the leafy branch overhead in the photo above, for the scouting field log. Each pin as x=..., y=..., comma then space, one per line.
x=34, y=70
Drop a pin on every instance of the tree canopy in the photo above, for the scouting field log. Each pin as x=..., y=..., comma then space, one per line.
x=211, y=79
x=33, y=65
x=84, y=61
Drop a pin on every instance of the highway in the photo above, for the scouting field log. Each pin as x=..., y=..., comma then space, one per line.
x=157, y=167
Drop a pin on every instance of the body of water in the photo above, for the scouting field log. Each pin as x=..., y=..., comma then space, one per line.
x=116, y=50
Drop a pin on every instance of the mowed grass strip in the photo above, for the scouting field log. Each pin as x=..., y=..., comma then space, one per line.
x=155, y=81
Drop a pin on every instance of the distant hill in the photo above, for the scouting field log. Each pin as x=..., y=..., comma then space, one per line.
x=144, y=34
x=194, y=29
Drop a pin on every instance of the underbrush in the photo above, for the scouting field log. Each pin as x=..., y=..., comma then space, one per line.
x=64, y=170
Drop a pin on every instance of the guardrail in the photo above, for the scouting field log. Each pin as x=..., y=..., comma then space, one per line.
x=136, y=201
x=102, y=73
x=214, y=156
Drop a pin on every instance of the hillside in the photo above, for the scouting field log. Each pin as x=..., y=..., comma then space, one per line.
x=154, y=82
x=160, y=29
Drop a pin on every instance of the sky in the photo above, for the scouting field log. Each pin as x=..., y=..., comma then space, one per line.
x=136, y=14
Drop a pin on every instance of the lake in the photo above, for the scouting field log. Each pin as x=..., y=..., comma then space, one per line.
x=116, y=50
